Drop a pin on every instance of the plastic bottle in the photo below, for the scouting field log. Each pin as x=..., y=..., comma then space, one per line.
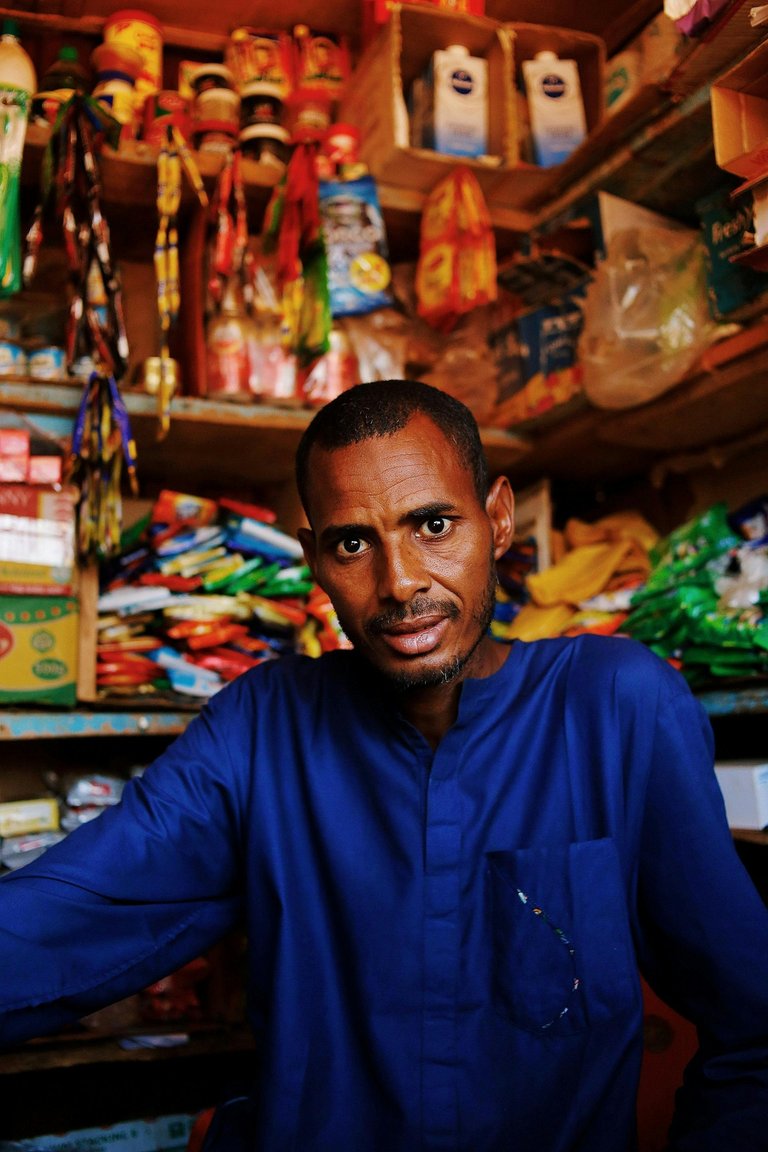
x=16, y=68
x=17, y=83
x=66, y=74
x=227, y=338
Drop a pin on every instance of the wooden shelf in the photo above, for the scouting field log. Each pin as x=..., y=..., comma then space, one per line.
x=717, y=410
x=736, y=702
x=105, y=1048
x=228, y=443
x=47, y=724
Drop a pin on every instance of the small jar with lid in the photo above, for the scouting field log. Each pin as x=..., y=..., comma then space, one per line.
x=13, y=358
x=216, y=120
x=260, y=103
x=266, y=144
x=207, y=76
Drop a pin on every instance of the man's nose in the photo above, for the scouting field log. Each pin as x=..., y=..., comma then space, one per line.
x=401, y=572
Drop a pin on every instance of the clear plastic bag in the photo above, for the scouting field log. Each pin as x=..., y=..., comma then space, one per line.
x=646, y=316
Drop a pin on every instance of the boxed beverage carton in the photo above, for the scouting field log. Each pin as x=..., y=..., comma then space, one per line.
x=377, y=94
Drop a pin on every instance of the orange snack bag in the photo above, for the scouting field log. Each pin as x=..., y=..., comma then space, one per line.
x=456, y=270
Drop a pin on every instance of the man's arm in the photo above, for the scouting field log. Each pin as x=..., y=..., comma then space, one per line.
x=703, y=939
x=126, y=898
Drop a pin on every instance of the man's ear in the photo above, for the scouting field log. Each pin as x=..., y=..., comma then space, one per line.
x=309, y=546
x=500, y=507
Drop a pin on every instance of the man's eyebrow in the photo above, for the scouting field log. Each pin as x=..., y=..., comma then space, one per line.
x=337, y=531
x=334, y=532
x=437, y=508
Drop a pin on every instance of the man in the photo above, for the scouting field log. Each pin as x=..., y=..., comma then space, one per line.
x=449, y=854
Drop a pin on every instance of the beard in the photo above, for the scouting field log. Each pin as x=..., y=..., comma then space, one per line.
x=407, y=681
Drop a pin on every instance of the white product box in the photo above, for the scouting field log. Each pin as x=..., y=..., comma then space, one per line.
x=460, y=102
x=555, y=107
x=744, y=784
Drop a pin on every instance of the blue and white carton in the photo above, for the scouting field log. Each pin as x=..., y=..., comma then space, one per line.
x=555, y=107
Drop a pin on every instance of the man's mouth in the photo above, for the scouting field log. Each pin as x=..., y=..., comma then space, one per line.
x=415, y=637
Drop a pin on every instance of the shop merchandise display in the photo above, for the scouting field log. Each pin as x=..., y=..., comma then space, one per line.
x=17, y=84
x=265, y=96
x=698, y=597
x=201, y=591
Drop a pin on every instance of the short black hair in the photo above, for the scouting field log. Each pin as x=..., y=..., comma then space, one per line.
x=383, y=407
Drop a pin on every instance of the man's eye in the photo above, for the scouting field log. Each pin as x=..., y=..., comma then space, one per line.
x=351, y=546
x=435, y=526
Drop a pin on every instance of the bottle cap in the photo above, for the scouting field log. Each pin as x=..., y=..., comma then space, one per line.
x=547, y=54
x=10, y=27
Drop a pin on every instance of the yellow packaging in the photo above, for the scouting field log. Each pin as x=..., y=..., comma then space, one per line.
x=38, y=650
x=23, y=817
x=142, y=32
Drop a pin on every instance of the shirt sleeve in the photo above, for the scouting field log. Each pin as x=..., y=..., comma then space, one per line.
x=127, y=897
x=703, y=938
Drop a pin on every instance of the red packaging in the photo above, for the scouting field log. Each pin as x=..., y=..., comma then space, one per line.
x=322, y=62
x=14, y=454
x=162, y=109
x=44, y=470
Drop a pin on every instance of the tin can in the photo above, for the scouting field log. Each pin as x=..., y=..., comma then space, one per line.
x=13, y=359
x=161, y=110
x=219, y=104
x=260, y=103
x=142, y=32
x=206, y=76
x=266, y=144
x=48, y=362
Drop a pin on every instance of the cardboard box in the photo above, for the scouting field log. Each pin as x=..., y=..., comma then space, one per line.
x=740, y=116
x=377, y=94
x=522, y=184
x=744, y=785
x=568, y=44
x=37, y=540
x=38, y=650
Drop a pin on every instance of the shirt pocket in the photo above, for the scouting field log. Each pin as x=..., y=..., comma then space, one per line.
x=562, y=951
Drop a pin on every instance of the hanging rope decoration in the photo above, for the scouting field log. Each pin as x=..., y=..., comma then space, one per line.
x=102, y=444
x=173, y=156
x=228, y=252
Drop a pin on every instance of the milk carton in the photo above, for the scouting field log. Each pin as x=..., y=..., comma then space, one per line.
x=555, y=107
x=458, y=123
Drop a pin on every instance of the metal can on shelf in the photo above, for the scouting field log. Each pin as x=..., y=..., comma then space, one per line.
x=266, y=144
x=142, y=32
x=13, y=359
x=46, y=362
x=161, y=110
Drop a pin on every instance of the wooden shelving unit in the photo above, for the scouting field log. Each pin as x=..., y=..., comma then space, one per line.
x=657, y=151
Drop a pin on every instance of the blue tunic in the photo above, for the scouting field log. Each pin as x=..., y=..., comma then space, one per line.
x=443, y=945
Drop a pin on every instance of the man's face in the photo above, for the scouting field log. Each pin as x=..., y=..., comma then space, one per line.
x=405, y=549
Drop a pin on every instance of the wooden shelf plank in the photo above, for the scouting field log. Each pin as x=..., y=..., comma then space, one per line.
x=242, y=444
x=42, y=724
x=67, y=1051
x=735, y=702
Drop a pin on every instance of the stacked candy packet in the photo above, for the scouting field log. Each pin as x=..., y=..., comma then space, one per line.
x=201, y=591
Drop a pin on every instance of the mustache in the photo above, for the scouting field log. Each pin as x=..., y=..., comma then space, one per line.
x=420, y=606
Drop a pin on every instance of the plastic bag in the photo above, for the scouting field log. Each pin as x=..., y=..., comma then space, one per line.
x=646, y=317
